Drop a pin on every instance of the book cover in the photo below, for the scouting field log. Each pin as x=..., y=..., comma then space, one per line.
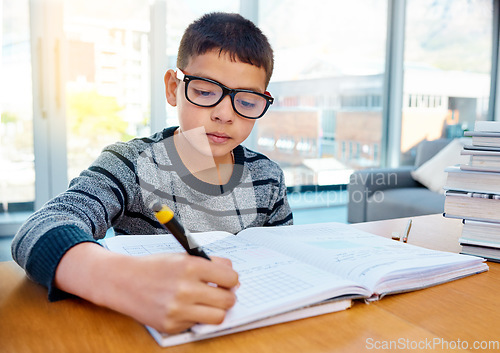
x=495, y=134
x=484, y=139
x=490, y=253
x=472, y=180
x=487, y=126
x=483, y=243
x=481, y=167
x=480, y=152
x=481, y=231
x=482, y=160
x=470, y=147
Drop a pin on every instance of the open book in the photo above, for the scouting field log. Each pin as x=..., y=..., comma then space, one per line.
x=285, y=271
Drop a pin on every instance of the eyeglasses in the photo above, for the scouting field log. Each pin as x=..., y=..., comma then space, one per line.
x=204, y=92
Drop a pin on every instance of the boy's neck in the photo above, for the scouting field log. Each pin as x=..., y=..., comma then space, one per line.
x=211, y=170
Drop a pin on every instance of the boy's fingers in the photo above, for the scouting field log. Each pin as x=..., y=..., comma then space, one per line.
x=172, y=327
x=204, y=314
x=214, y=296
x=222, y=260
x=220, y=274
x=203, y=304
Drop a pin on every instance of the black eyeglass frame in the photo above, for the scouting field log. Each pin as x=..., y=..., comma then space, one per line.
x=225, y=91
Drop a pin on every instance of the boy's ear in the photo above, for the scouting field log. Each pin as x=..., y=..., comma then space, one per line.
x=171, y=84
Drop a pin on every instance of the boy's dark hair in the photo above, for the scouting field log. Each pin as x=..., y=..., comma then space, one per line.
x=228, y=33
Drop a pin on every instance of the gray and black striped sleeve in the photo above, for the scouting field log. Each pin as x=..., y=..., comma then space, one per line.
x=109, y=194
x=94, y=201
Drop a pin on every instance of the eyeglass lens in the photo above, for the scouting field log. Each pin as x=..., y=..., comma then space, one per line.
x=207, y=94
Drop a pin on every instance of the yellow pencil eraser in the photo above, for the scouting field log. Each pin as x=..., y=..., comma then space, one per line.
x=164, y=215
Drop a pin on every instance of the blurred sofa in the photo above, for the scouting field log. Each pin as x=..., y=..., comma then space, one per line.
x=384, y=193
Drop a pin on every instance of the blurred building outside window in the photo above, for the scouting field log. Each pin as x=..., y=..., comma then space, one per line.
x=328, y=81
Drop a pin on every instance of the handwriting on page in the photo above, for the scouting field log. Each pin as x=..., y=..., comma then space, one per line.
x=138, y=250
x=270, y=282
x=364, y=256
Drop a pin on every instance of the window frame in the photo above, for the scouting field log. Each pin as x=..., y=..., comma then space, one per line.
x=48, y=54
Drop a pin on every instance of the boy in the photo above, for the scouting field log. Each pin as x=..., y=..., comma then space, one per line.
x=199, y=169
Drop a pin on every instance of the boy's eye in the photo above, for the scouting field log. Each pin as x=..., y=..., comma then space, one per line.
x=205, y=91
x=246, y=104
x=249, y=101
x=202, y=93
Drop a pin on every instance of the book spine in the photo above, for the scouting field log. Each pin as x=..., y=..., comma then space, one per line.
x=481, y=228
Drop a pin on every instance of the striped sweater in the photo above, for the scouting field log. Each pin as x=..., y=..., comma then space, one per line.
x=118, y=188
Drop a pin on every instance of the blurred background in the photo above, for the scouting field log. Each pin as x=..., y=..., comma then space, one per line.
x=357, y=84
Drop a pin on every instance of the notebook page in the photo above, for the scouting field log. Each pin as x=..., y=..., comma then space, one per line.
x=270, y=282
x=362, y=257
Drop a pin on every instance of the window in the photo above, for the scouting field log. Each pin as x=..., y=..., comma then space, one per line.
x=447, y=64
x=103, y=67
x=17, y=172
x=327, y=119
x=108, y=80
x=328, y=78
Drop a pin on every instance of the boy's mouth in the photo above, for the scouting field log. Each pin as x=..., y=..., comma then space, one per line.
x=218, y=137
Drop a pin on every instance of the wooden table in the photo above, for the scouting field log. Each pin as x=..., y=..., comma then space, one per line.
x=445, y=316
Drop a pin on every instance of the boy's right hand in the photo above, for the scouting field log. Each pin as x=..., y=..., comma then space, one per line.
x=172, y=292
x=169, y=292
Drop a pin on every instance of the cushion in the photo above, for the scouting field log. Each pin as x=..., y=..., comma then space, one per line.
x=428, y=149
x=431, y=174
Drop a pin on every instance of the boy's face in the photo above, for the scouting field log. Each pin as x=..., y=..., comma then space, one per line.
x=221, y=126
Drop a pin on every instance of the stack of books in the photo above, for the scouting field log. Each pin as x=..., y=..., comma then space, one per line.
x=473, y=192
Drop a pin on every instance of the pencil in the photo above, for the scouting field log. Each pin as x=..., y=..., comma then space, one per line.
x=165, y=216
x=407, y=232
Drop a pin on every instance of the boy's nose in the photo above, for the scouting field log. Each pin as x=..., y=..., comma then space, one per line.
x=224, y=111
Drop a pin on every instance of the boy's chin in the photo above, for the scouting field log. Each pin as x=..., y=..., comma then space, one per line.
x=221, y=156
x=214, y=154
